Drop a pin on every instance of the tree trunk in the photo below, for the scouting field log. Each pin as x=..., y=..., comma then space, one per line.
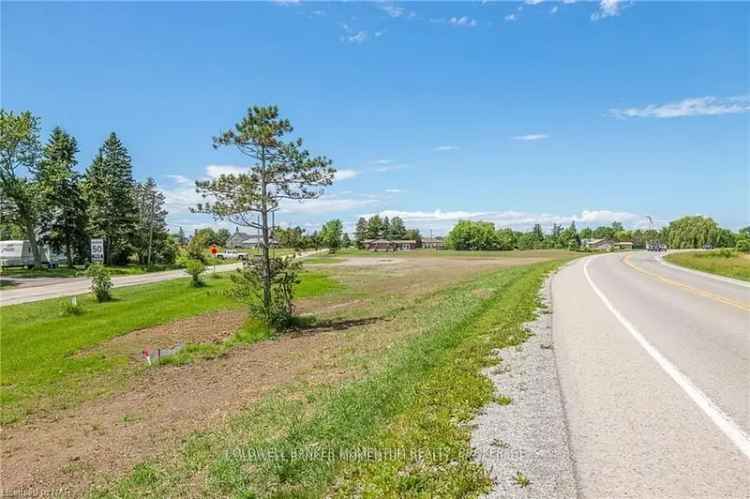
x=264, y=230
x=35, y=251
x=69, y=254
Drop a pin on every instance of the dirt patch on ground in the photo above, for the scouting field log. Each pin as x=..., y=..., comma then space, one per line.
x=209, y=328
x=70, y=449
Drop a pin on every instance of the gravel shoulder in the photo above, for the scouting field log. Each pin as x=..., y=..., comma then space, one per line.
x=527, y=437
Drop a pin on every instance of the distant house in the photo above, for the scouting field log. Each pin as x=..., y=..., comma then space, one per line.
x=605, y=244
x=242, y=240
x=433, y=242
x=389, y=245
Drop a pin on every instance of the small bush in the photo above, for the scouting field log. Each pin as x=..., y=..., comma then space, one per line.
x=743, y=245
x=71, y=307
x=195, y=268
x=101, y=282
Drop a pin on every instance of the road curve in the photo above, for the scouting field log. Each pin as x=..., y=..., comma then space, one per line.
x=654, y=367
x=80, y=285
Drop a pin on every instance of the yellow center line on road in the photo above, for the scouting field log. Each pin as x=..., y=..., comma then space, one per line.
x=690, y=289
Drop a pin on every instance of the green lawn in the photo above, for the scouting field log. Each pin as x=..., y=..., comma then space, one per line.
x=416, y=397
x=721, y=262
x=39, y=343
x=544, y=253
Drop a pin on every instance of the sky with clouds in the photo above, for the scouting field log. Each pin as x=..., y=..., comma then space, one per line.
x=512, y=112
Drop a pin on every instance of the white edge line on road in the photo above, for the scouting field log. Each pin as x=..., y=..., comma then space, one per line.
x=728, y=280
x=721, y=420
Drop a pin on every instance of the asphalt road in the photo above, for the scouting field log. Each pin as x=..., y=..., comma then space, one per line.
x=75, y=286
x=654, y=366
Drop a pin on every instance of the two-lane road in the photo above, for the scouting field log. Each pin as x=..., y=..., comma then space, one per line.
x=79, y=285
x=654, y=366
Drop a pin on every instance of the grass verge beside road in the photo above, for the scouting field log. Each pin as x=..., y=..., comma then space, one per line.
x=397, y=430
x=725, y=263
x=42, y=360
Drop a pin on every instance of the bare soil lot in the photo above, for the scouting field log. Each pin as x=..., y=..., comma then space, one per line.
x=159, y=407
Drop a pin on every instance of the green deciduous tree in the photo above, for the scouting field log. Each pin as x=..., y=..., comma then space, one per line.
x=109, y=190
x=331, y=235
x=397, y=229
x=692, y=232
x=468, y=235
x=281, y=170
x=63, y=216
x=20, y=199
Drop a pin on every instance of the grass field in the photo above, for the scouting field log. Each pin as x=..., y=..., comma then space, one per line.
x=546, y=253
x=304, y=442
x=721, y=262
x=40, y=366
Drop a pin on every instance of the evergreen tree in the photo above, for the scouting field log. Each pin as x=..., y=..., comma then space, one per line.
x=375, y=227
x=538, y=232
x=398, y=229
x=385, y=232
x=151, y=233
x=63, y=217
x=109, y=188
x=181, y=239
x=346, y=240
x=360, y=232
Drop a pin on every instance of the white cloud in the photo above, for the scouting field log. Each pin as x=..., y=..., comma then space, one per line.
x=607, y=8
x=214, y=171
x=390, y=168
x=345, y=174
x=395, y=10
x=394, y=191
x=698, y=106
x=324, y=204
x=180, y=179
x=531, y=136
x=463, y=22
x=446, y=148
x=356, y=38
x=383, y=161
x=554, y=10
x=511, y=18
x=533, y=2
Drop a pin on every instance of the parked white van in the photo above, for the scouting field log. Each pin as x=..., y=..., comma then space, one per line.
x=18, y=254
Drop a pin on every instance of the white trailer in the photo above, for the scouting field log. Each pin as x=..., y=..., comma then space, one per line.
x=19, y=254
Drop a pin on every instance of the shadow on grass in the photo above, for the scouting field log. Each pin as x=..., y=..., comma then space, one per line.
x=309, y=324
x=7, y=283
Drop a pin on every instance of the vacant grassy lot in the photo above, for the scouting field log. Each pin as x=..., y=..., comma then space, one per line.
x=42, y=364
x=368, y=398
x=721, y=262
x=396, y=431
x=550, y=253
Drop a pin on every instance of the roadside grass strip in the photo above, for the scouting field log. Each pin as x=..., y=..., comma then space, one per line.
x=398, y=431
x=720, y=262
x=43, y=348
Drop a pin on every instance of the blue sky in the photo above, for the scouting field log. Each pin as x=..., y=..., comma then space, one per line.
x=511, y=112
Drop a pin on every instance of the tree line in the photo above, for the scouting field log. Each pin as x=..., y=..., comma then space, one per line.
x=376, y=227
x=685, y=232
x=44, y=200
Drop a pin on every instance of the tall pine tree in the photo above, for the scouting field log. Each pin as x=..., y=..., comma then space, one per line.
x=63, y=218
x=109, y=189
x=151, y=227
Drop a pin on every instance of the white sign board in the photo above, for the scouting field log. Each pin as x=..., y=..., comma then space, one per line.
x=97, y=250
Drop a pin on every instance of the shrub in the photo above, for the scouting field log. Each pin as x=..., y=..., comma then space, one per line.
x=743, y=245
x=248, y=287
x=101, y=282
x=71, y=307
x=195, y=268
